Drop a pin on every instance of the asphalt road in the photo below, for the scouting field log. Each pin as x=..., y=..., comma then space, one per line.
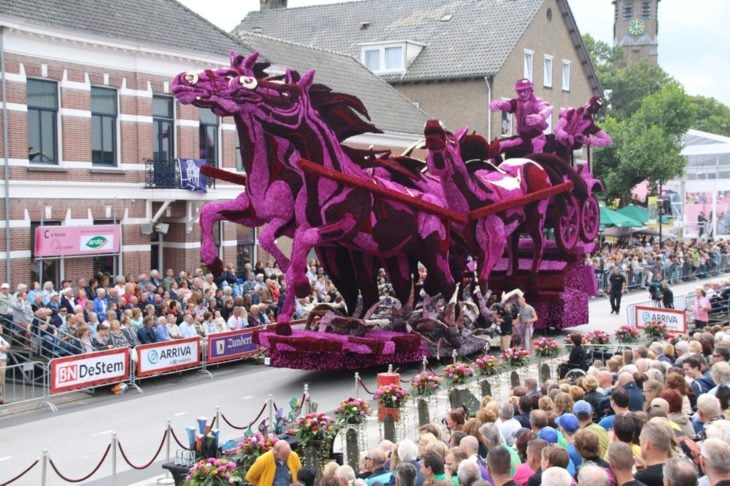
x=77, y=435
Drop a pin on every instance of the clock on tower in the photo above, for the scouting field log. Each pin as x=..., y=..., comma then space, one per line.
x=637, y=27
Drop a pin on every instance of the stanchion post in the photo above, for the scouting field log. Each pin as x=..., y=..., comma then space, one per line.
x=454, y=356
x=390, y=368
x=44, y=467
x=424, y=363
x=115, y=442
x=270, y=403
x=218, y=416
x=168, y=479
x=305, y=405
x=357, y=384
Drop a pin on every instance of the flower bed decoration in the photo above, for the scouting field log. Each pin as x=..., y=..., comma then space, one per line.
x=425, y=384
x=391, y=396
x=569, y=338
x=250, y=448
x=546, y=347
x=516, y=357
x=457, y=373
x=656, y=329
x=213, y=472
x=627, y=334
x=315, y=427
x=487, y=364
x=598, y=337
x=353, y=411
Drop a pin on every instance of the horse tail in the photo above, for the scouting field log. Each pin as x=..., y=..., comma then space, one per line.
x=557, y=169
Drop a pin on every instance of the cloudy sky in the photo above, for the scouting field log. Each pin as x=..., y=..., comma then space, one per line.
x=694, y=43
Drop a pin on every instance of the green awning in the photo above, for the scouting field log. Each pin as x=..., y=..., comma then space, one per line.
x=638, y=213
x=610, y=217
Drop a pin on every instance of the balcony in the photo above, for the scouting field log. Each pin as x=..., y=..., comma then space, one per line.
x=165, y=174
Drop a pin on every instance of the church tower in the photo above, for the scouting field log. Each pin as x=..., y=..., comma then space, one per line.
x=271, y=4
x=635, y=29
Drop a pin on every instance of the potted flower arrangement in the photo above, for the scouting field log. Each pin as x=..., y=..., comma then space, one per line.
x=315, y=427
x=390, y=398
x=457, y=373
x=487, y=364
x=353, y=411
x=250, y=448
x=656, y=329
x=516, y=357
x=425, y=384
x=627, y=334
x=213, y=472
x=546, y=347
x=569, y=338
x=598, y=337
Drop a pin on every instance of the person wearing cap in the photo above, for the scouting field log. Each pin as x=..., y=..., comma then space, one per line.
x=584, y=412
x=531, y=113
x=568, y=425
x=6, y=312
x=550, y=435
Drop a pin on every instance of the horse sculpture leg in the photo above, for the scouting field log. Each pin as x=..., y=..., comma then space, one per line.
x=491, y=238
x=239, y=211
x=279, y=210
x=535, y=225
x=267, y=240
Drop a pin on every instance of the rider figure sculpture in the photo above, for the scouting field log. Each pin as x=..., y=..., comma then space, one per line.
x=531, y=113
x=576, y=126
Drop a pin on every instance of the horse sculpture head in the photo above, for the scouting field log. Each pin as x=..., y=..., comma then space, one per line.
x=443, y=147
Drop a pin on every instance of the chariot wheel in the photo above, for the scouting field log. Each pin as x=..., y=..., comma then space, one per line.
x=567, y=226
x=590, y=219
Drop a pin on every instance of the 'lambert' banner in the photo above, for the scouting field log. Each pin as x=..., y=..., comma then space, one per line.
x=231, y=345
x=675, y=320
x=156, y=358
x=56, y=241
x=190, y=176
x=89, y=370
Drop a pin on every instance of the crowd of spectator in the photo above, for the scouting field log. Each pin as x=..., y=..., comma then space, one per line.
x=656, y=415
x=109, y=312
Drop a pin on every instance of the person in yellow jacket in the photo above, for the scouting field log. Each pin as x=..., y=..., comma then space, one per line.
x=277, y=467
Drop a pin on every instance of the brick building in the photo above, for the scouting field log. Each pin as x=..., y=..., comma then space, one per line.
x=90, y=130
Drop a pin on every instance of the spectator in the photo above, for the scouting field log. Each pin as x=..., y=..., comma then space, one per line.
x=655, y=441
x=569, y=425
x=678, y=471
x=375, y=463
x=715, y=461
x=279, y=466
x=405, y=475
x=555, y=476
x=584, y=412
x=531, y=467
x=616, y=288
x=528, y=317
x=621, y=460
x=498, y=464
x=593, y=475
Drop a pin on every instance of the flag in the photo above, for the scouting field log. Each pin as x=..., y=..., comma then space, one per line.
x=190, y=176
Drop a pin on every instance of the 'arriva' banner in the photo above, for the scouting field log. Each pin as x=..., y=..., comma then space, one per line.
x=89, y=370
x=675, y=320
x=156, y=358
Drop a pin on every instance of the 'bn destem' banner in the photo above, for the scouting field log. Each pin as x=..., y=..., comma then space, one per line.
x=89, y=370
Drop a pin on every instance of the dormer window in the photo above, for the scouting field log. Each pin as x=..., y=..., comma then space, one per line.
x=390, y=58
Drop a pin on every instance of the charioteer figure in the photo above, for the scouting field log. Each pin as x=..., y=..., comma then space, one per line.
x=531, y=112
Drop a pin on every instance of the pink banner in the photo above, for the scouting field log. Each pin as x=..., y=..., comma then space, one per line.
x=57, y=241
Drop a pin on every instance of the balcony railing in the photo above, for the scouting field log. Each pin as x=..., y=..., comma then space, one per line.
x=165, y=174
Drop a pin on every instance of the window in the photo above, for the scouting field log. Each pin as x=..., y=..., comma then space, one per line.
x=628, y=10
x=645, y=10
x=548, y=71
x=386, y=59
x=549, y=128
x=42, y=121
x=103, y=126
x=566, y=75
x=209, y=137
x=163, y=127
x=527, y=71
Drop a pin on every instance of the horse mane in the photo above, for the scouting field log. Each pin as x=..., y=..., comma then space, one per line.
x=343, y=113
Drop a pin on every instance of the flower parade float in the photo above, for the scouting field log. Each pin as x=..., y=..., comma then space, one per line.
x=460, y=212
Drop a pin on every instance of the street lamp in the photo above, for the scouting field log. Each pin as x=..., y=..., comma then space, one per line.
x=660, y=212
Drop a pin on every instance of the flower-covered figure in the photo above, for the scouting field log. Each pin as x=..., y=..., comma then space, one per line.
x=627, y=334
x=516, y=357
x=425, y=384
x=458, y=373
x=213, y=472
x=546, y=347
x=315, y=426
x=487, y=364
x=391, y=396
x=656, y=329
x=353, y=411
x=531, y=114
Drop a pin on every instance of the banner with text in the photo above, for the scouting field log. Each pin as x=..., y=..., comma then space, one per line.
x=89, y=370
x=58, y=241
x=231, y=345
x=156, y=358
x=675, y=320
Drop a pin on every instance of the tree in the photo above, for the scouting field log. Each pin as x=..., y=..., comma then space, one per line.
x=711, y=115
x=647, y=144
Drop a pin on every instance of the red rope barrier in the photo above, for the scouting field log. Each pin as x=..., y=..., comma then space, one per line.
x=103, y=458
x=174, y=436
x=212, y=422
x=27, y=469
x=139, y=468
x=261, y=412
x=362, y=384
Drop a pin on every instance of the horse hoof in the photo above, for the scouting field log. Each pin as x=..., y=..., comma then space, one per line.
x=283, y=329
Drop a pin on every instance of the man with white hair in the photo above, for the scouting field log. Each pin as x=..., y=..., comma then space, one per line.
x=681, y=349
x=591, y=474
x=470, y=446
x=344, y=475
x=719, y=429
x=508, y=425
x=708, y=410
x=715, y=461
x=556, y=476
x=720, y=373
x=679, y=471
x=468, y=473
x=492, y=437
x=408, y=452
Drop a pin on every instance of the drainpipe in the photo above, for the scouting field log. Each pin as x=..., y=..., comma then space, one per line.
x=6, y=155
x=488, y=80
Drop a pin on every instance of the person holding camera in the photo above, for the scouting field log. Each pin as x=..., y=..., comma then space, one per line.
x=503, y=316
